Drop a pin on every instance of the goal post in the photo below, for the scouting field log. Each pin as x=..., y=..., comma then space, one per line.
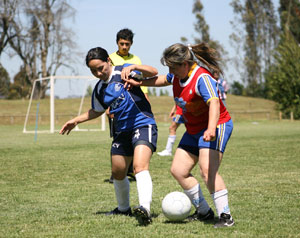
x=86, y=80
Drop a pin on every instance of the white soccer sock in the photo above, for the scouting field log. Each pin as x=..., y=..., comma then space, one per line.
x=221, y=201
x=170, y=142
x=144, y=188
x=197, y=199
x=122, y=188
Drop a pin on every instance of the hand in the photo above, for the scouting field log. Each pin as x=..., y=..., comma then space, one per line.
x=130, y=82
x=125, y=74
x=67, y=127
x=172, y=114
x=209, y=135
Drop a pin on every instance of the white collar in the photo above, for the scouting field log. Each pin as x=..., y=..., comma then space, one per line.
x=190, y=78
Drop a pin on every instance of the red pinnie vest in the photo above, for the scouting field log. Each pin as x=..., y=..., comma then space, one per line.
x=194, y=109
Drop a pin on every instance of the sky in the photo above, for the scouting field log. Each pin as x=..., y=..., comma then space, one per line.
x=156, y=24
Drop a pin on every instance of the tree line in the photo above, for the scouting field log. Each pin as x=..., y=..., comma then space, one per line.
x=34, y=31
x=266, y=41
x=271, y=49
x=267, y=50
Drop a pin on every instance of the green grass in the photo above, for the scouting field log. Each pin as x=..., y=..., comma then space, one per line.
x=53, y=187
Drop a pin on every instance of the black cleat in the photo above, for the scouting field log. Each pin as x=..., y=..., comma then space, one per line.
x=199, y=217
x=116, y=211
x=131, y=175
x=224, y=221
x=142, y=215
x=111, y=179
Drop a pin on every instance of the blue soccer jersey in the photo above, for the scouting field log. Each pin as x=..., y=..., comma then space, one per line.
x=130, y=108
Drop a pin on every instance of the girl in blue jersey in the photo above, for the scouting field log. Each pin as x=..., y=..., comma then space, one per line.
x=136, y=132
x=208, y=125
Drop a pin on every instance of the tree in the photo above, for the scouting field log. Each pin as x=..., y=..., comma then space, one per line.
x=289, y=11
x=42, y=42
x=259, y=39
x=7, y=14
x=89, y=91
x=202, y=29
x=237, y=88
x=154, y=92
x=4, y=82
x=20, y=88
x=283, y=77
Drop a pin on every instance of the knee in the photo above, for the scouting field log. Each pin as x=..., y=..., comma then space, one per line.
x=118, y=174
x=139, y=168
x=177, y=173
x=172, y=129
x=173, y=172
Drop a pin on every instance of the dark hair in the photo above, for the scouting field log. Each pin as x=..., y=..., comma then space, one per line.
x=178, y=53
x=125, y=34
x=96, y=53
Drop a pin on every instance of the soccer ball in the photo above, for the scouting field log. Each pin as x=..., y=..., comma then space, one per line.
x=176, y=206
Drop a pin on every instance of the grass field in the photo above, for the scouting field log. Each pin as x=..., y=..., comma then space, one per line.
x=53, y=187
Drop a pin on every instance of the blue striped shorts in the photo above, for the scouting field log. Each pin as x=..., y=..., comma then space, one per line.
x=192, y=143
x=178, y=119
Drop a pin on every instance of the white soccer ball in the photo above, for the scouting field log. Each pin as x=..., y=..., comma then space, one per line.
x=176, y=206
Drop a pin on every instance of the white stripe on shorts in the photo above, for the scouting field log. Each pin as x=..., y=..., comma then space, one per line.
x=150, y=133
x=222, y=128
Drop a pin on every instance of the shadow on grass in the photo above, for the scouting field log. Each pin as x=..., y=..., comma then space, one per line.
x=175, y=222
x=110, y=180
x=153, y=215
x=210, y=222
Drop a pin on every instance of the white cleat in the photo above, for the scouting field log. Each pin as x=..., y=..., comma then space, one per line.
x=164, y=153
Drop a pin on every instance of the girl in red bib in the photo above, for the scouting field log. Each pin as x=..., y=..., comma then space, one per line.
x=208, y=125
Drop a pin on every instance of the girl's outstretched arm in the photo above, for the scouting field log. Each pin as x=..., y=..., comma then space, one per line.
x=69, y=125
x=154, y=81
x=146, y=70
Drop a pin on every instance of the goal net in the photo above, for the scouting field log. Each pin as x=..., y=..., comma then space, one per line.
x=65, y=97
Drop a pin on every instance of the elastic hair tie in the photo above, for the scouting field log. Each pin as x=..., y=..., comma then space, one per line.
x=193, y=55
x=191, y=51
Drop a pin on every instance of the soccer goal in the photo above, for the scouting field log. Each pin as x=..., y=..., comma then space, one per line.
x=64, y=97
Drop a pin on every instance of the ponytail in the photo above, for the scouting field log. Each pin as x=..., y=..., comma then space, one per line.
x=208, y=56
x=178, y=53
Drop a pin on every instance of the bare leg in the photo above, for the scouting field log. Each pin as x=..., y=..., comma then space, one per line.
x=182, y=165
x=209, y=162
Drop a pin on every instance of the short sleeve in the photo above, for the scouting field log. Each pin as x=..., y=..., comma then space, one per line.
x=206, y=87
x=97, y=103
x=170, y=78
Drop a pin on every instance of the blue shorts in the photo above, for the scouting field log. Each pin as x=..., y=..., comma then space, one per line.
x=178, y=119
x=192, y=143
x=125, y=142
